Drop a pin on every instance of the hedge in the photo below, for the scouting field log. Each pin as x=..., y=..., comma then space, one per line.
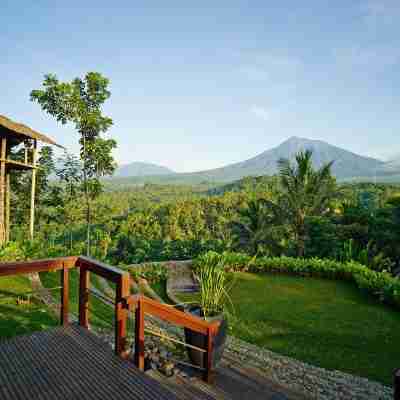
x=380, y=284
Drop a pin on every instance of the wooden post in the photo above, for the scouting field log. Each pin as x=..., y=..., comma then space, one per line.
x=139, y=335
x=208, y=357
x=8, y=193
x=64, y=296
x=2, y=189
x=397, y=385
x=121, y=314
x=33, y=190
x=84, y=281
x=26, y=152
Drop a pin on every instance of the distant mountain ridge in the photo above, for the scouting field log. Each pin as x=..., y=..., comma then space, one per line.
x=394, y=163
x=347, y=165
x=139, y=169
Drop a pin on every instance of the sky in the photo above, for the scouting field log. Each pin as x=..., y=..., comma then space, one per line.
x=201, y=84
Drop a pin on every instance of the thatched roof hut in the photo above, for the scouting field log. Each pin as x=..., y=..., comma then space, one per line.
x=12, y=134
x=17, y=133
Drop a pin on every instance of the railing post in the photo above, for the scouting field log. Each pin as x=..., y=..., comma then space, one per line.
x=397, y=384
x=139, y=334
x=84, y=297
x=64, y=296
x=121, y=314
x=208, y=356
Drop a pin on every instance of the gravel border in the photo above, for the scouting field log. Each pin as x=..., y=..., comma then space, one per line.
x=313, y=382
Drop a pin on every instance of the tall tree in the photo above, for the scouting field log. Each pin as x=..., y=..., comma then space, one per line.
x=306, y=192
x=80, y=102
x=69, y=173
x=259, y=227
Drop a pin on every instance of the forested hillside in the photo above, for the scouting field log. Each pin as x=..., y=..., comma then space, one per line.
x=161, y=222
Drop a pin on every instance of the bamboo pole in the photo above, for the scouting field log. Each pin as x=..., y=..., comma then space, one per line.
x=32, y=218
x=8, y=193
x=2, y=189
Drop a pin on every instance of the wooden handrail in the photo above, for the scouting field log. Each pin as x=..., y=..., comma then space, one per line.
x=124, y=303
x=171, y=314
x=122, y=290
x=143, y=305
x=106, y=271
x=86, y=266
x=27, y=267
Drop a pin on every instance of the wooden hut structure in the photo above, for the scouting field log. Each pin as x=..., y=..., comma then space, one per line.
x=13, y=134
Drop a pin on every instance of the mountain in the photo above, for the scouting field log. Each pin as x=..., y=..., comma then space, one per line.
x=346, y=164
x=140, y=169
x=393, y=164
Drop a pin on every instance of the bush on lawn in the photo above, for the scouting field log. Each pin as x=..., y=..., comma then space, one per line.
x=152, y=272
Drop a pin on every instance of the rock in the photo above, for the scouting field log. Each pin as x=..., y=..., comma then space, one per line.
x=164, y=354
x=153, y=365
x=167, y=368
x=155, y=358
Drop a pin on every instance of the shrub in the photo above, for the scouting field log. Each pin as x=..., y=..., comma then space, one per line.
x=379, y=284
x=152, y=272
x=212, y=284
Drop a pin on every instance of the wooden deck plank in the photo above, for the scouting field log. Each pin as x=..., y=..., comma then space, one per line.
x=67, y=363
x=232, y=381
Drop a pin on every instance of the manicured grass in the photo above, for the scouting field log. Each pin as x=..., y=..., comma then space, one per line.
x=100, y=314
x=325, y=323
x=21, y=319
x=161, y=289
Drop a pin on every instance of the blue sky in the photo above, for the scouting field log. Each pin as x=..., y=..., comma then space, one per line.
x=197, y=85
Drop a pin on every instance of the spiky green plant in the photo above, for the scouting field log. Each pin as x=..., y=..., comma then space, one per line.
x=214, y=284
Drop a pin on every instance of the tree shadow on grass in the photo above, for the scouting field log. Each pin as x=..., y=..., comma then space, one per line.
x=23, y=319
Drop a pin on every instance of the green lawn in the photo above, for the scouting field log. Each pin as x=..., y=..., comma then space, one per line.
x=100, y=314
x=20, y=319
x=326, y=323
x=161, y=290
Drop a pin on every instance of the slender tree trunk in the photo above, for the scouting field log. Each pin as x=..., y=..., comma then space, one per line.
x=87, y=199
x=301, y=239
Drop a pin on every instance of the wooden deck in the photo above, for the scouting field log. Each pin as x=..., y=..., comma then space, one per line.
x=70, y=363
x=232, y=381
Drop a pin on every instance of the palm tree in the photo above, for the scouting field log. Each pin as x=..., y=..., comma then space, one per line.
x=306, y=192
x=255, y=228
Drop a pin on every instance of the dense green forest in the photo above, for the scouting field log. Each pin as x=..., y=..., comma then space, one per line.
x=161, y=222
x=300, y=211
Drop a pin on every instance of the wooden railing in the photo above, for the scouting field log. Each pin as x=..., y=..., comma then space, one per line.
x=86, y=266
x=142, y=305
x=124, y=303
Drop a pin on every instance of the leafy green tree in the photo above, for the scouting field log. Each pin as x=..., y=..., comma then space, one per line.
x=70, y=175
x=306, y=192
x=258, y=228
x=80, y=102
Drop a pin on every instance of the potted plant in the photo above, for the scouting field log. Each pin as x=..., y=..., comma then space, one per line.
x=214, y=285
